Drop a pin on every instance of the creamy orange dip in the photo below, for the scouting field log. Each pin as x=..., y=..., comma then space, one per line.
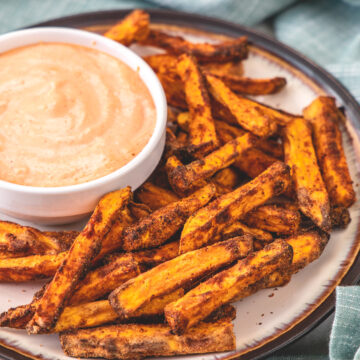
x=69, y=114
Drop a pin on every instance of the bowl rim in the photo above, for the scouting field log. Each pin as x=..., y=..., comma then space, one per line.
x=153, y=85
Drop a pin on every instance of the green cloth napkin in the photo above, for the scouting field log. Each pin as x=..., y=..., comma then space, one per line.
x=328, y=32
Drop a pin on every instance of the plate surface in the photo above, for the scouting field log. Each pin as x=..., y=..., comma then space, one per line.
x=271, y=318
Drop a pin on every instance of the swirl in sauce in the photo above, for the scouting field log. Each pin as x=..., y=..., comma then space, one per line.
x=69, y=114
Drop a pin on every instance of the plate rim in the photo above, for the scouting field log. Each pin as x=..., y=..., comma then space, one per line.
x=301, y=62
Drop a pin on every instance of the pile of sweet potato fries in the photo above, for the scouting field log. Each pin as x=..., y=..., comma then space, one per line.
x=244, y=197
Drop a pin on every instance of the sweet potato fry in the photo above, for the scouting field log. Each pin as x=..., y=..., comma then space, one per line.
x=154, y=196
x=134, y=27
x=19, y=241
x=250, y=86
x=325, y=118
x=227, y=179
x=253, y=162
x=113, y=239
x=232, y=50
x=100, y=312
x=202, y=134
x=160, y=225
x=185, y=179
x=153, y=257
x=228, y=68
x=227, y=132
x=310, y=189
x=136, y=341
x=178, y=272
x=340, y=217
x=225, y=312
x=29, y=268
x=84, y=249
x=139, y=210
x=220, y=289
x=249, y=116
x=210, y=221
x=104, y=279
x=274, y=218
x=238, y=229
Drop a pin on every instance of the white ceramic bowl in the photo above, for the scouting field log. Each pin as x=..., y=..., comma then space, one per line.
x=55, y=205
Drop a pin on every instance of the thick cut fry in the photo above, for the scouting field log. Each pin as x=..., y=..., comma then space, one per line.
x=202, y=133
x=29, y=268
x=146, y=259
x=274, y=218
x=104, y=279
x=250, y=117
x=238, y=229
x=252, y=86
x=134, y=27
x=325, y=118
x=227, y=132
x=220, y=289
x=185, y=179
x=307, y=248
x=179, y=272
x=19, y=241
x=310, y=189
x=159, y=226
x=232, y=50
x=100, y=312
x=135, y=341
x=227, y=179
x=340, y=217
x=154, y=196
x=153, y=257
x=139, y=210
x=210, y=221
x=84, y=249
x=228, y=68
x=113, y=239
x=253, y=162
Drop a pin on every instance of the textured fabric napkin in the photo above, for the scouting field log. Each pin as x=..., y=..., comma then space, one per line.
x=328, y=32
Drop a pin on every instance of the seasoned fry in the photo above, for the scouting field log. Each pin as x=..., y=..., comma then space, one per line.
x=238, y=229
x=104, y=279
x=84, y=249
x=19, y=241
x=113, y=239
x=310, y=189
x=100, y=312
x=154, y=196
x=228, y=68
x=153, y=257
x=227, y=179
x=225, y=312
x=136, y=341
x=134, y=27
x=178, y=272
x=220, y=289
x=252, y=86
x=325, y=118
x=184, y=179
x=202, y=134
x=274, y=218
x=250, y=117
x=340, y=217
x=210, y=221
x=29, y=268
x=139, y=210
x=253, y=162
x=232, y=50
x=160, y=225
x=227, y=132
